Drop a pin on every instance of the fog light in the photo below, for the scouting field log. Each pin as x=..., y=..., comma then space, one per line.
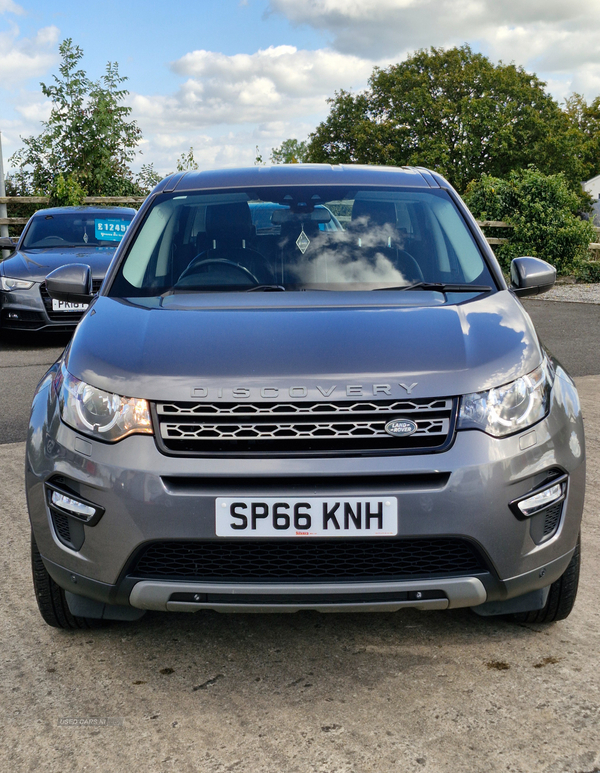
x=552, y=493
x=73, y=506
x=69, y=503
x=539, y=501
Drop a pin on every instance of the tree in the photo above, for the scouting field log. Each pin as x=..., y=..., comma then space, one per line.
x=88, y=138
x=186, y=162
x=585, y=132
x=290, y=151
x=453, y=111
x=544, y=213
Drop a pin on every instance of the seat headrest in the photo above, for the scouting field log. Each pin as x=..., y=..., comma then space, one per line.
x=378, y=212
x=230, y=219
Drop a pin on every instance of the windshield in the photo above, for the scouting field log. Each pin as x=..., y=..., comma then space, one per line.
x=76, y=229
x=300, y=238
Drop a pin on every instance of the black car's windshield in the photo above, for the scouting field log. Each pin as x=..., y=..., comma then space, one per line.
x=300, y=238
x=76, y=229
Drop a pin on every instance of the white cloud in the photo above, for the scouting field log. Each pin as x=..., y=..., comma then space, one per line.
x=29, y=108
x=227, y=105
x=552, y=35
x=231, y=149
x=7, y=6
x=271, y=84
x=24, y=58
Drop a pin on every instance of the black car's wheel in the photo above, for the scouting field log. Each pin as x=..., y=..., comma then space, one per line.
x=561, y=597
x=51, y=598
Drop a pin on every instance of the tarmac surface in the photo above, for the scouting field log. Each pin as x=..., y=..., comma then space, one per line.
x=437, y=692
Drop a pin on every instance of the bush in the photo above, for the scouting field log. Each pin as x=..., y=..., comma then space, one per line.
x=544, y=213
x=587, y=271
x=66, y=191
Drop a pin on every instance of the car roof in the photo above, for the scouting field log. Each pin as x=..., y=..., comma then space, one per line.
x=302, y=174
x=88, y=210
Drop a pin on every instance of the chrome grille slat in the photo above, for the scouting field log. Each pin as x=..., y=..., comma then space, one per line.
x=279, y=431
x=282, y=409
x=302, y=427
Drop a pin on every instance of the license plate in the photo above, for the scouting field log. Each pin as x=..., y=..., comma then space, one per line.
x=306, y=517
x=65, y=306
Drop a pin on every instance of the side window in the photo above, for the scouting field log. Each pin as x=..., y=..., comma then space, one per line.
x=459, y=240
x=149, y=241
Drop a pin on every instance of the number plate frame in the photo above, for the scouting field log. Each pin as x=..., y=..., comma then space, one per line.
x=67, y=306
x=297, y=517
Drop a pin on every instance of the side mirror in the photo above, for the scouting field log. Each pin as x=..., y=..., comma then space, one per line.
x=71, y=283
x=531, y=276
x=6, y=243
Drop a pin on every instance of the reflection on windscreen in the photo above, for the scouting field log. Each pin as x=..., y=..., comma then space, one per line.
x=300, y=238
x=76, y=230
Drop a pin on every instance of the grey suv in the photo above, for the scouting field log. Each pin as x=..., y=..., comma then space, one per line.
x=358, y=417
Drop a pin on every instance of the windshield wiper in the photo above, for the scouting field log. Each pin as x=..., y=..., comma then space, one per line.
x=442, y=287
x=266, y=289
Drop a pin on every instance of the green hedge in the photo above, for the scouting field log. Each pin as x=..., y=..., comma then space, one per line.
x=545, y=214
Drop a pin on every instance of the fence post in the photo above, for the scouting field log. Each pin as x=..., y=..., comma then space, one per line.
x=3, y=210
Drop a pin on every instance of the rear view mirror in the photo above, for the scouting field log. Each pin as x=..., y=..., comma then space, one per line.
x=318, y=215
x=71, y=283
x=531, y=276
x=279, y=216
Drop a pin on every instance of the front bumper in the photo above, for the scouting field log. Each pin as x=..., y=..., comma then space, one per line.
x=463, y=493
x=26, y=310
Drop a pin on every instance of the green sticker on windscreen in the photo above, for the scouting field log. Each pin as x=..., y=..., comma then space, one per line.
x=111, y=230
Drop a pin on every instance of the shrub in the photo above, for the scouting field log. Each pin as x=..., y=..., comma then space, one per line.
x=588, y=271
x=544, y=213
x=66, y=191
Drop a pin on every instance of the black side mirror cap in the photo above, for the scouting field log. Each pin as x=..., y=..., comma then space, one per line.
x=71, y=283
x=531, y=276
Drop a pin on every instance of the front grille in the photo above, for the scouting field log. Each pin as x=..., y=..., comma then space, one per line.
x=64, y=316
x=303, y=427
x=305, y=560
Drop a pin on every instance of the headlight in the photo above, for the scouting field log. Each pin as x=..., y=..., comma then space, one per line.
x=8, y=284
x=102, y=415
x=510, y=408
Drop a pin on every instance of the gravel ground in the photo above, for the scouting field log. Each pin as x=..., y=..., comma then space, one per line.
x=572, y=293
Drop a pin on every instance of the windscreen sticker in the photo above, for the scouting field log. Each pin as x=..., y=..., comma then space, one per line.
x=111, y=230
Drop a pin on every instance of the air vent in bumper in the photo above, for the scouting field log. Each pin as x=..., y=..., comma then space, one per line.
x=308, y=560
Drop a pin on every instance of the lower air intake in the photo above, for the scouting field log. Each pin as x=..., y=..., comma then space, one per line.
x=306, y=560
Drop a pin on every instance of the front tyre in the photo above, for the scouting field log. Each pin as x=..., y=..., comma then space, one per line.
x=51, y=598
x=561, y=597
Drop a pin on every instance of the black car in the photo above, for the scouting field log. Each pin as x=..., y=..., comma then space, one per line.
x=52, y=238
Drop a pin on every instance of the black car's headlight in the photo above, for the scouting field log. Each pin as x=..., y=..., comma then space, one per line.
x=7, y=284
x=509, y=408
x=103, y=415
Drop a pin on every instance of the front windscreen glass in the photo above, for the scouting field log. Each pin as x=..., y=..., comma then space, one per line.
x=300, y=238
x=76, y=229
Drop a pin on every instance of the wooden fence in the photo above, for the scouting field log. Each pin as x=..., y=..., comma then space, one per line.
x=137, y=200
x=132, y=200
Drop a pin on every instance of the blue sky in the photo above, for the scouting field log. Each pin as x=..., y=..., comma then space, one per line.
x=226, y=75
